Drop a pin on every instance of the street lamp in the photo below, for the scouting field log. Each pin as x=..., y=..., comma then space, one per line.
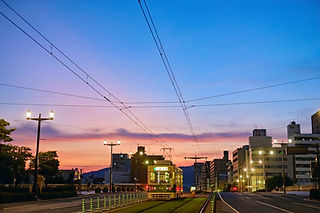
x=39, y=119
x=111, y=148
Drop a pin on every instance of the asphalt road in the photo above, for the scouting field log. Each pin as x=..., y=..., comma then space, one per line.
x=270, y=202
x=61, y=205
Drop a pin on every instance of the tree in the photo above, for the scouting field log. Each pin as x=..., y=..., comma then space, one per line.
x=12, y=163
x=276, y=181
x=4, y=132
x=48, y=164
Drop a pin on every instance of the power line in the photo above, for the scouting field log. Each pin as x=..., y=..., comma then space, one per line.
x=124, y=110
x=161, y=102
x=253, y=89
x=163, y=106
x=167, y=66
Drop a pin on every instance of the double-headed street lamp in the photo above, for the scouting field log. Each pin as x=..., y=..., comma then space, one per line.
x=39, y=119
x=111, y=147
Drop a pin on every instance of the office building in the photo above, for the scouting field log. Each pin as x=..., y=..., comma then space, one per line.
x=299, y=169
x=315, y=121
x=219, y=172
x=240, y=158
x=260, y=139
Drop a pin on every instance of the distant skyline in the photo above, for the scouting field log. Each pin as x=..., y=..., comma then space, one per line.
x=214, y=47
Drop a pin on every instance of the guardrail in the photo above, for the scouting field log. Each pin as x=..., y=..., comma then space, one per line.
x=109, y=202
x=212, y=198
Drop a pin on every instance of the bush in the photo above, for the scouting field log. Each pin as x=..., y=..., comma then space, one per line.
x=97, y=190
x=8, y=197
x=57, y=194
x=105, y=189
x=315, y=194
x=276, y=181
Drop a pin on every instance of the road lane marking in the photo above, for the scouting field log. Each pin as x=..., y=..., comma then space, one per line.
x=227, y=203
x=248, y=198
x=266, y=204
x=307, y=205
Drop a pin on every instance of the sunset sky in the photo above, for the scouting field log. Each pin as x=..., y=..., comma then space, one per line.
x=215, y=47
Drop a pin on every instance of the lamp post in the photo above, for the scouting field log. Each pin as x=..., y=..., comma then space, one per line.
x=111, y=148
x=282, y=158
x=39, y=119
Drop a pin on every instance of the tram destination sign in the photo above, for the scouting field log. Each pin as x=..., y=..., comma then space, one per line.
x=160, y=168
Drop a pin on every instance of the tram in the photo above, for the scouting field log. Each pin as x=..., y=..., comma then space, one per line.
x=165, y=181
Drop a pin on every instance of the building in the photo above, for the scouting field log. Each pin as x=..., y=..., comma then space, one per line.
x=265, y=161
x=219, y=172
x=198, y=171
x=260, y=139
x=240, y=158
x=293, y=129
x=205, y=177
x=299, y=169
x=120, y=168
x=315, y=121
x=139, y=163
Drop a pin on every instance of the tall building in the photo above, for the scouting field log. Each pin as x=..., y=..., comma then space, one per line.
x=264, y=162
x=240, y=158
x=219, y=172
x=205, y=177
x=198, y=170
x=139, y=163
x=315, y=120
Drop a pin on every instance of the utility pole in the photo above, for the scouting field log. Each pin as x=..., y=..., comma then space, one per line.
x=195, y=158
x=39, y=119
x=166, y=152
x=111, y=147
x=283, y=166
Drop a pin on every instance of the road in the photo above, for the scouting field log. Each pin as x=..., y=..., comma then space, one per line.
x=61, y=205
x=269, y=202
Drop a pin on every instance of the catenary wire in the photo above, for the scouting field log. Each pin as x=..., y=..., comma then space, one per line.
x=165, y=106
x=124, y=110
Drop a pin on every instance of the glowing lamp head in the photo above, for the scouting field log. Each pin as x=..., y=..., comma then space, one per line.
x=260, y=161
x=105, y=142
x=251, y=161
x=28, y=114
x=154, y=161
x=118, y=142
x=51, y=114
x=245, y=169
x=147, y=162
x=252, y=169
x=275, y=141
x=240, y=176
x=141, y=153
x=260, y=152
x=271, y=152
x=290, y=140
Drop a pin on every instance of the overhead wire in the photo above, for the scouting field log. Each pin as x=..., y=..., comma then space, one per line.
x=164, y=106
x=162, y=102
x=124, y=110
x=167, y=66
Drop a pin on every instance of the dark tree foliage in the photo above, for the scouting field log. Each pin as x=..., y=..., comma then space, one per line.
x=276, y=181
x=48, y=164
x=12, y=163
x=4, y=132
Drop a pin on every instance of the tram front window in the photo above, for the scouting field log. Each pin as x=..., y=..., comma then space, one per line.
x=160, y=177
